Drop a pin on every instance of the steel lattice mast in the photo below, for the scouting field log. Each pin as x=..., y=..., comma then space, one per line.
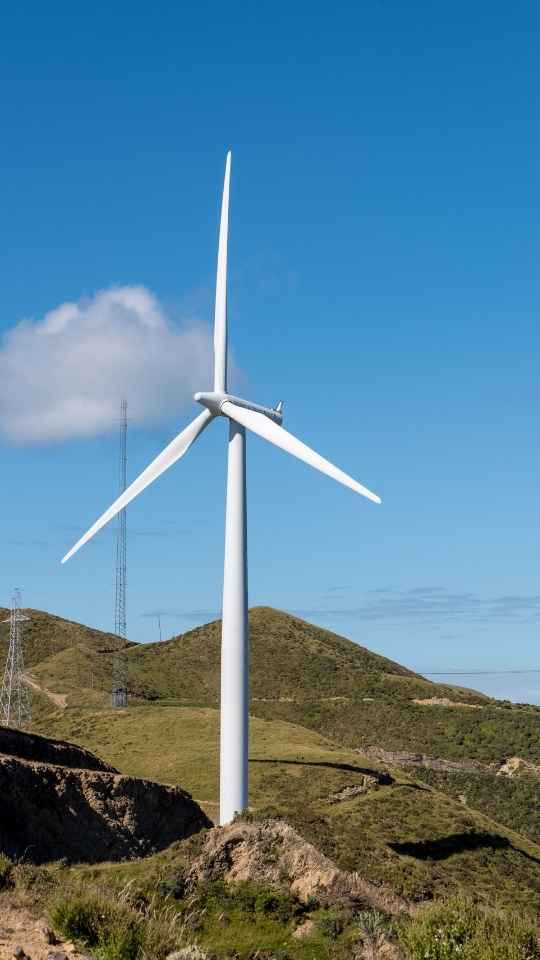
x=119, y=682
x=15, y=707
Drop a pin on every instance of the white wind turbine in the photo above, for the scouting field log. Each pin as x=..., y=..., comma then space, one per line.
x=266, y=422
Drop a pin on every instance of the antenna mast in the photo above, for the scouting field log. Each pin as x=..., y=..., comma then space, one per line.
x=15, y=709
x=119, y=684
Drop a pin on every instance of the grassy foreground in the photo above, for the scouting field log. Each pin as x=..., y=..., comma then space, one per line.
x=143, y=910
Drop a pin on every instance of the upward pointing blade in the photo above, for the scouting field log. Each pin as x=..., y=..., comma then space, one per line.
x=220, y=315
x=176, y=449
x=268, y=430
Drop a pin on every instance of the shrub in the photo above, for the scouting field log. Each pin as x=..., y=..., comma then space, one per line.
x=99, y=922
x=461, y=929
x=6, y=867
x=115, y=928
x=173, y=884
x=331, y=923
x=250, y=900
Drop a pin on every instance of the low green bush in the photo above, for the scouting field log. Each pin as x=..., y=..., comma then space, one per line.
x=115, y=928
x=248, y=899
x=331, y=923
x=104, y=923
x=6, y=867
x=463, y=930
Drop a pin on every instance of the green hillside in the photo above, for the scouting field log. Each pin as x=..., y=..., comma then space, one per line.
x=366, y=816
x=290, y=660
x=45, y=635
x=310, y=677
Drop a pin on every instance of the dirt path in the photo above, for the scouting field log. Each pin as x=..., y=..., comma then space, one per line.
x=60, y=699
x=445, y=702
x=20, y=928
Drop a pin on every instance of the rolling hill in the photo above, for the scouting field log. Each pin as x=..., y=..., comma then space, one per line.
x=368, y=817
x=301, y=676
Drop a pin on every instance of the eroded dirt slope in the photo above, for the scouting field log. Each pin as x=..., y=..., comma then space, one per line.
x=60, y=801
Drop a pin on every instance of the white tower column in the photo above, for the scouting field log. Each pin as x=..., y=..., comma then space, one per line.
x=235, y=637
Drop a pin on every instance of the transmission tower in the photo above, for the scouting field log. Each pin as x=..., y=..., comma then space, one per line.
x=119, y=680
x=15, y=709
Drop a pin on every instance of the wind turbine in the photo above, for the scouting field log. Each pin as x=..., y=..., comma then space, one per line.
x=266, y=422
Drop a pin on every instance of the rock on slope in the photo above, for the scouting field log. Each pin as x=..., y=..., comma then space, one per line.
x=58, y=800
x=272, y=852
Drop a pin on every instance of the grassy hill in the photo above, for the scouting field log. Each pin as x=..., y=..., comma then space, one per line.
x=311, y=678
x=368, y=817
x=45, y=635
x=65, y=661
x=290, y=660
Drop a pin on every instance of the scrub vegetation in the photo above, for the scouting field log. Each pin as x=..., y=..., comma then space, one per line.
x=144, y=910
x=307, y=677
x=457, y=845
x=366, y=816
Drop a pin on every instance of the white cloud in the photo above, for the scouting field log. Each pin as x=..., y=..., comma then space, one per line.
x=64, y=375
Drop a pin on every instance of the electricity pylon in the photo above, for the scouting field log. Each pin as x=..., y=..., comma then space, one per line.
x=15, y=708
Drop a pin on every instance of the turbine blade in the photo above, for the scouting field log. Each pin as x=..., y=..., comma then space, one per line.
x=176, y=449
x=220, y=314
x=268, y=430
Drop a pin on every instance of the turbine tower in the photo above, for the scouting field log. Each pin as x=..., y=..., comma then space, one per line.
x=119, y=678
x=15, y=708
x=266, y=422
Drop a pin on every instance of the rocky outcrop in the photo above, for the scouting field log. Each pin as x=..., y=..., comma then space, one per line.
x=516, y=767
x=272, y=852
x=51, y=811
x=509, y=767
x=405, y=759
x=367, y=782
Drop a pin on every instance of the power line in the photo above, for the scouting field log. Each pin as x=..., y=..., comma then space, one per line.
x=474, y=673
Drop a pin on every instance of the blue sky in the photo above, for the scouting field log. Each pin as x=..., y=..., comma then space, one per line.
x=383, y=282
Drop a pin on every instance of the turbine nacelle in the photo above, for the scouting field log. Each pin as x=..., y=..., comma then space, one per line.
x=214, y=401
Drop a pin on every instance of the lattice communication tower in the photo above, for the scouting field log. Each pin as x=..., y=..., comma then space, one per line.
x=15, y=706
x=119, y=682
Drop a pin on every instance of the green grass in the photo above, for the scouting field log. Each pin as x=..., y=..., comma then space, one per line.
x=301, y=675
x=181, y=745
x=46, y=634
x=420, y=841
x=393, y=721
x=114, y=927
x=6, y=868
x=243, y=921
x=142, y=910
x=514, y=800
x=462, y=930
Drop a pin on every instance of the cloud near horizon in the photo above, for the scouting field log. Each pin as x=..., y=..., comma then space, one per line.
x=432, y=605
x=62, y=377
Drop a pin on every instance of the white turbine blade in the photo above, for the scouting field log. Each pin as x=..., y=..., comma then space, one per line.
x=176, y=449
x=220, y=315
x=268, y=430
